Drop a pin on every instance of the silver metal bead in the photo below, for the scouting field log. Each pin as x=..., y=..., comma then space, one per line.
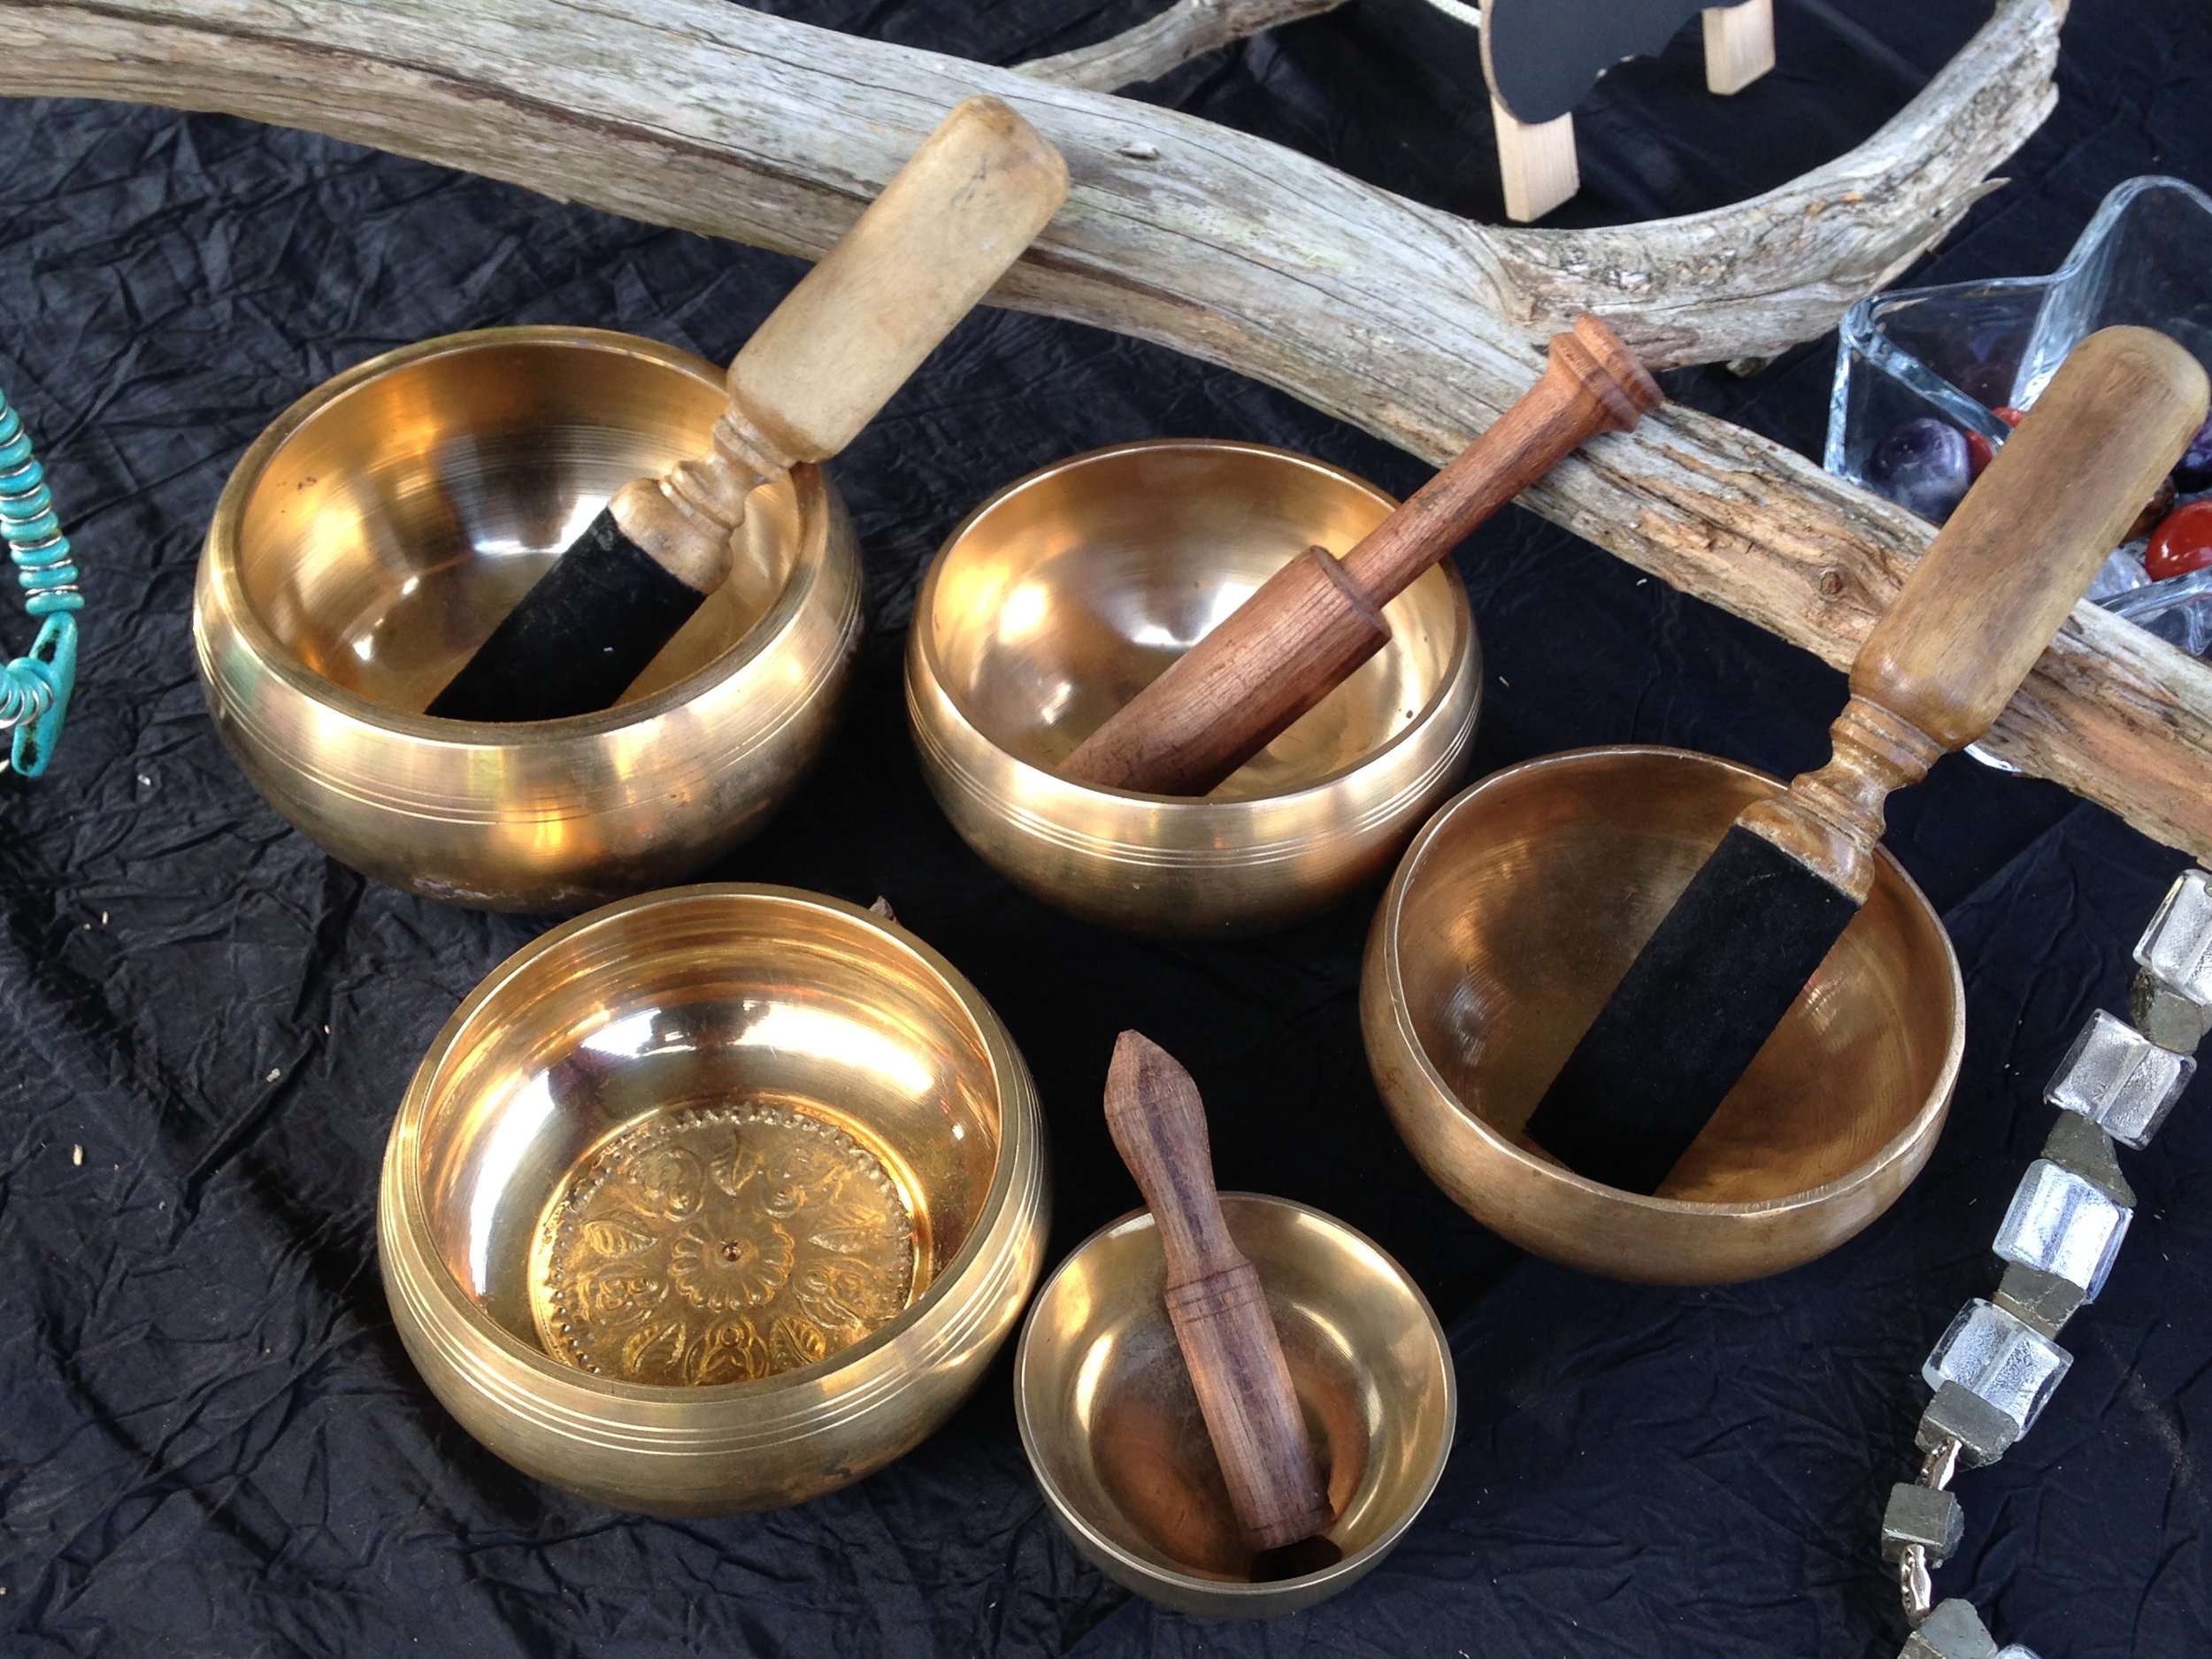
x=1993, y=1354
x=1952, y=1629
x=2165, y=1015
x=2119, y=1080
x=1957, y=1414
x=1924, y=1515
x=1912, y=1587
x=2014, y=1650
x=2042, y=1300
x=2062, y=1223
x=2178, y=945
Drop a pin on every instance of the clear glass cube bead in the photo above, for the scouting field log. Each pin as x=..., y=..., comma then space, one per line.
x=2064, y=1225
x=1999, y=1359
x=2178, y=945
x=2119, y=1080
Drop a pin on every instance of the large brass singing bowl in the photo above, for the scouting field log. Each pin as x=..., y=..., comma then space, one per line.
x=713, y=1200
x=374, y=536
x=1067, y=592
x=1515, y=912
x=1114, y=1433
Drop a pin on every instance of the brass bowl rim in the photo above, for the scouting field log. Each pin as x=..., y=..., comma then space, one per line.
x=925, y=641
x=1006, y=1073
x=223, y=556
x=1351, y=1566
x=1897, y=1146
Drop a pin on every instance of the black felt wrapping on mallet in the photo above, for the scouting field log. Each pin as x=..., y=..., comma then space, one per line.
x=1699, y=1001
x=579, y=638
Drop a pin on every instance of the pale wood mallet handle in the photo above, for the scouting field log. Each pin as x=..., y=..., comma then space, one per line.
x=855, y=328
x=946, y=227
x=1977, y=610
x=1215, y=1301
x=1311, y=623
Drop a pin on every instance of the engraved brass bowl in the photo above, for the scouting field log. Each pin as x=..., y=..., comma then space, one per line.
x=1066, y=593
x=713, y=1200
x=376, y=533
x=1114, y=1433
x=1513, y=915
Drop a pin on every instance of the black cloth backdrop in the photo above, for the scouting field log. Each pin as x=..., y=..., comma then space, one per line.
x=211, y=1442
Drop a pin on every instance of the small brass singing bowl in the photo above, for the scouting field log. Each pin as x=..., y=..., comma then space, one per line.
x=374, y=535
x=1514, y=914
x=1114, y=1433
x=1065, y=594
x=713, y=1200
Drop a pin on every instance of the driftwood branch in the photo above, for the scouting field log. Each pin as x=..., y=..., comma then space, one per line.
x=1417, y=326
x=1188, y=29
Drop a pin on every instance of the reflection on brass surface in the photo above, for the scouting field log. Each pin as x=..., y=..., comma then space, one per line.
x=773, y=1162
x=1114, y=1433
x=717, y=1244
x=1510, y=921
x=373, y=535
x=1068, y=592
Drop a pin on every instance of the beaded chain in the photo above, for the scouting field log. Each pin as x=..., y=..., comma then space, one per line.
x=1997, y=1365
x=35, y=689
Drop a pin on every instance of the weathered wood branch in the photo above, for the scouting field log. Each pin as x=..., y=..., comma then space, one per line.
x=1188, y=29
x=1418, y=326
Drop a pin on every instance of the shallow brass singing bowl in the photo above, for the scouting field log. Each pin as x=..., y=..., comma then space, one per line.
x=1114, y=1433
x=713, y=1200
x=1515, y=912
x=373, y=537
x=1065, y=594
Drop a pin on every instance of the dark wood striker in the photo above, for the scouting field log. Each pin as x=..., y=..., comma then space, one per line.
x=1320, y=617
x=1219, y=1309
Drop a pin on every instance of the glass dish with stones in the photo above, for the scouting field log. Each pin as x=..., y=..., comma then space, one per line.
x=713, y=1200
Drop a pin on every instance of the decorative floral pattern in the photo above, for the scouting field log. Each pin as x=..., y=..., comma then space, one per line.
x=721, y=1244
x=736, y=1266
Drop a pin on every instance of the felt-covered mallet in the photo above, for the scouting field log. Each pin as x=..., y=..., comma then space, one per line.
x=1219, y=1307
x=946, y=226
x=1308, y=626
x=1971, y=619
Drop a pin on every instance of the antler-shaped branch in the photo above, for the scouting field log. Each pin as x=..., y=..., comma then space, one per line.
x=1409, y=322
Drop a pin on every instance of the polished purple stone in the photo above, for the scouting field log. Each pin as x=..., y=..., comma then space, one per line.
x=1923, y=466
x=2193, y=470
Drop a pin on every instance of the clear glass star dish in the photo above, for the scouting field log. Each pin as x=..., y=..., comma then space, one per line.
x=1956, y=354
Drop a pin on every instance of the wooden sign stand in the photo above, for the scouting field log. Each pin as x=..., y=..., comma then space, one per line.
x=1536, y=159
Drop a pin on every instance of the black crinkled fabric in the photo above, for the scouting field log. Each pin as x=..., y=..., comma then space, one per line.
x=211, y=1442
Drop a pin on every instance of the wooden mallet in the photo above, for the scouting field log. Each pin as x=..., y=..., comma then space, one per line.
x=1219, y=1309
x=1971, y=618
x=946, y=226
x=1313, y=622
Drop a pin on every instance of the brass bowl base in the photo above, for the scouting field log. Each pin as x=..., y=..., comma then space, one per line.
x=1514, y=914
x=713, y=1200
x=374, y=536
x=1069, y=591
x=1114, y=1433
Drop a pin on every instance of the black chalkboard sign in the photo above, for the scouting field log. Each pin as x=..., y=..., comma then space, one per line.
x=1542, y=55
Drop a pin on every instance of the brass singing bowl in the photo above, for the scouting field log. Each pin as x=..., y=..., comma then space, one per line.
x=713, y=1200
x=374, y=536
x=1114, y=1433
x=1065, y=594
x=1514, y=914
